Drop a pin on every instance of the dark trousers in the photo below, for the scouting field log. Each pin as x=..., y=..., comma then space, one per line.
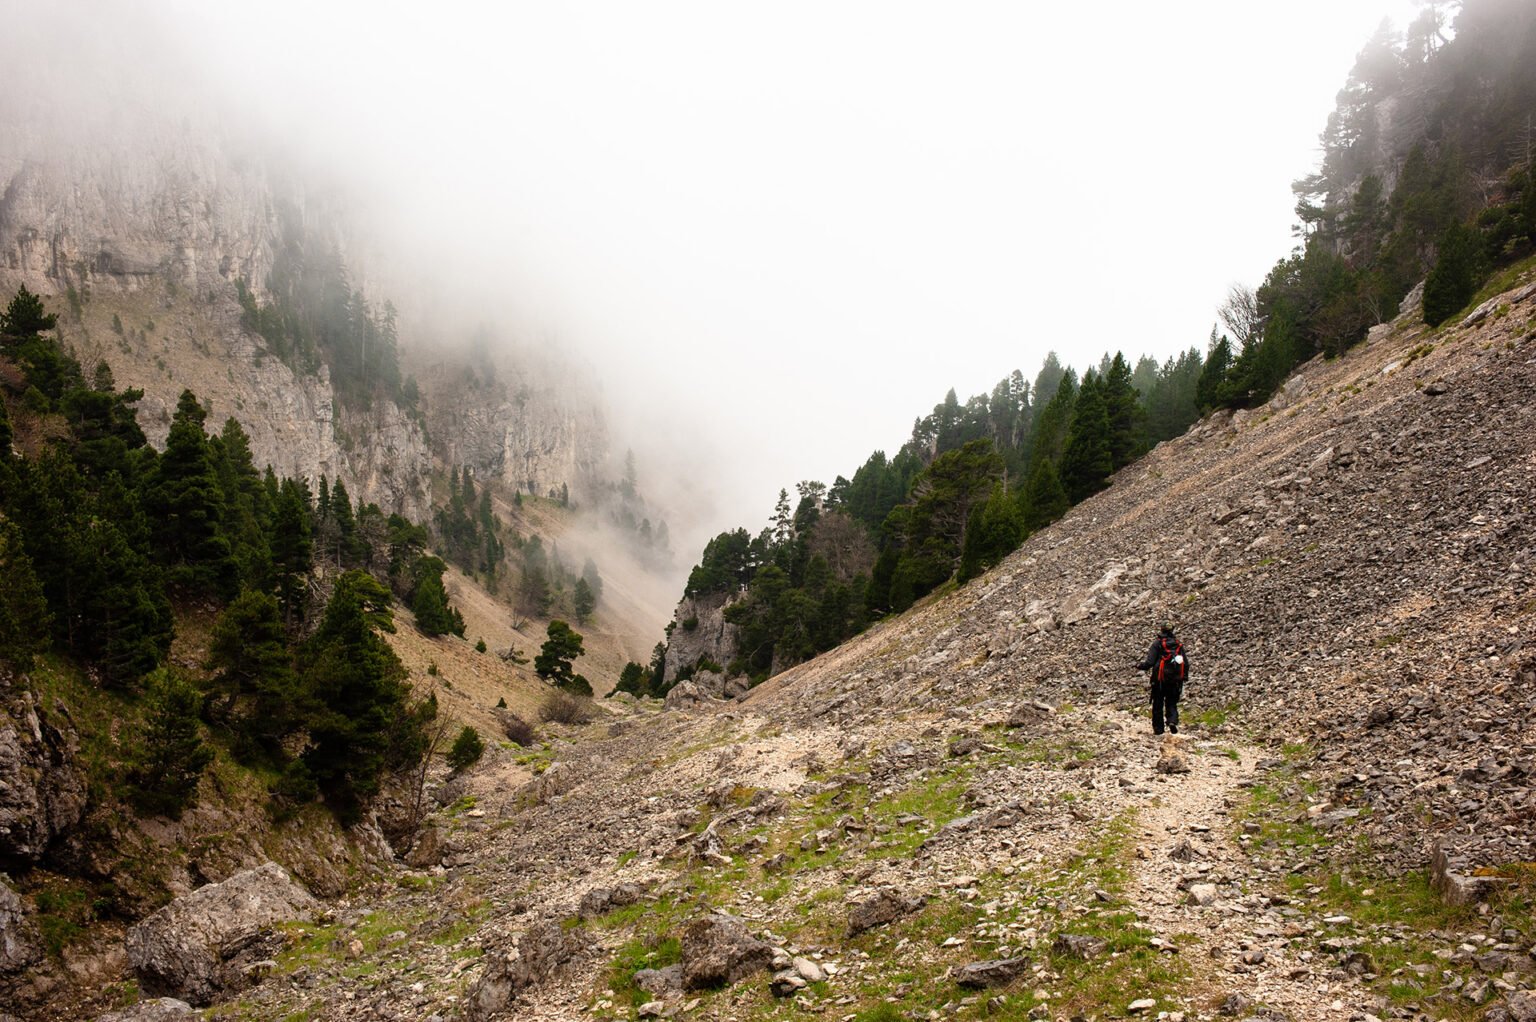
x=1165, y=704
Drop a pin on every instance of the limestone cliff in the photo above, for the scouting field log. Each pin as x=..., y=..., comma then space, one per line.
x=140, y=248
x=513, y=424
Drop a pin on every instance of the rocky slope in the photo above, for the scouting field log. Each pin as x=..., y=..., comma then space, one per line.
x=962, y=812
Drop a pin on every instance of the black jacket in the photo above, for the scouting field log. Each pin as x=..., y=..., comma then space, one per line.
x=1149, y=663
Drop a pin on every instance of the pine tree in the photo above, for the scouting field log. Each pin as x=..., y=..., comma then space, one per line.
x=24, y=617
x=634, y=680
x=1086, y=464
x=1124, y=412
x=995, y=530
x=363, y=720
x=1213, y=373
x=554, y=662
x=1046, y=500
x=434, y=615
x=254, y=691
x=348, y=551
x=25, y=316
x=247, y=505
x=170, y=762
x=467, y=750
x=292, y=549
x=1454, y=280
x=583, y=600
x=186, y=509
x=1048, y=438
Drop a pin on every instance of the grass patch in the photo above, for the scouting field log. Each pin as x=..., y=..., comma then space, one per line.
x=1509, y=277
x=65, y=908
x=1210, y=718
x=637, y=954
x=1270, y=817
x=1407, y=929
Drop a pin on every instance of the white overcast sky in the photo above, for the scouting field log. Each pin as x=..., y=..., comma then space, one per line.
x=782, y=231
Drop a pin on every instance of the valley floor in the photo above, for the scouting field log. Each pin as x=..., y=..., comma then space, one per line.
x=1055, y=844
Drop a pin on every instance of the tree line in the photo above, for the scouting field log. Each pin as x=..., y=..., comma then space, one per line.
x=972, y=482
x=102, y=538
x=1428, y=174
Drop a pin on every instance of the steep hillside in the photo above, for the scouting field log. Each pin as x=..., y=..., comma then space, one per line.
x=962, y=813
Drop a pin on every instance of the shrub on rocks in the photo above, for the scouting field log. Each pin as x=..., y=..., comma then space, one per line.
x=565, y=708
x=467, y=750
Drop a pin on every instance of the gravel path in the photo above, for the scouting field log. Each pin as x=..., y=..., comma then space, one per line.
x=1240, y=939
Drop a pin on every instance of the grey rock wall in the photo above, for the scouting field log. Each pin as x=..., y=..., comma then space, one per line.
x=711, y=636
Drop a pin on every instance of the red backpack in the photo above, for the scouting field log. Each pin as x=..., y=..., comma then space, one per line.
x=1171, y=665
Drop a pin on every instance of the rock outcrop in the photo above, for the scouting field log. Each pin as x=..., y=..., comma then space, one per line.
x=700, y=632
x=215, y=940
x=42, y=793
x=19, y=946
x=541, y=950
x=718, y=951
x=141, y=247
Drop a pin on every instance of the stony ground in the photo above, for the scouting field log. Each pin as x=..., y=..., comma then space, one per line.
x=961, y=813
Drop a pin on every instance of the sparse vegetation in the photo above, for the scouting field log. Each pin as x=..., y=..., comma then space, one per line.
x=566, y=708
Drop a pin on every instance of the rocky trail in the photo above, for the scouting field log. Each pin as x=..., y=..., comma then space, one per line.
x=1001, y=859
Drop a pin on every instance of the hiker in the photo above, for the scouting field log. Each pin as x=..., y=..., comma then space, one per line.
x=1169, y=665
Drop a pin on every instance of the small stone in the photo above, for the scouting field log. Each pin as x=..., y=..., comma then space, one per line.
x=786, y=984
x=995, y=973
x=809, y=970
x=1078, y=946
x=652, y=1009
x=1142, y=1006
x=1202, y=894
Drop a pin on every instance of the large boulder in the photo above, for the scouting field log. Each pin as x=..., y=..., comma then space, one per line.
x=718, y=951
x=884, y=907
x=540, y=951
x=684, y=695
x=1455, y=882
x=156, y=1009
x=211, y=942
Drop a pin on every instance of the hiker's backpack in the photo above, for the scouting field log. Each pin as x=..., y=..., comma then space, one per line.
x=1171, y=665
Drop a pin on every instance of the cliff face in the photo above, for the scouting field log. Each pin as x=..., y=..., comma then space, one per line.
x=513, y=426
x=140, y=255
x=120, y=219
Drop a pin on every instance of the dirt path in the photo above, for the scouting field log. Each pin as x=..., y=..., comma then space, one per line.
x=1196, y=887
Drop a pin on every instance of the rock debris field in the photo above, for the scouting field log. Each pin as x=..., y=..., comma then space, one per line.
x=962, y=814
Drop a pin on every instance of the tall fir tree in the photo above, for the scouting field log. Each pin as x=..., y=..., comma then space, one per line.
x=186, y=509
x=1087, y=462
x=359, y=688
